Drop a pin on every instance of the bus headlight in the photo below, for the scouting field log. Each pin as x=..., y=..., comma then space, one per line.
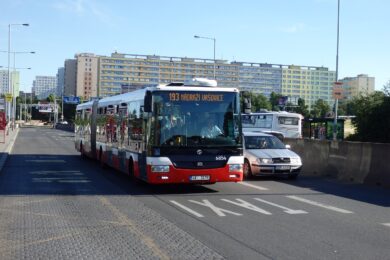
x=160, y=168
x=235, y=167
x=264, y=160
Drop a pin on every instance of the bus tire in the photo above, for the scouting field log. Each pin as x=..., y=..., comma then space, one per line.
x=131, y=168
x=101, y=159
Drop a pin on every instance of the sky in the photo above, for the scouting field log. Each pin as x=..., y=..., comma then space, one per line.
x=299, y=32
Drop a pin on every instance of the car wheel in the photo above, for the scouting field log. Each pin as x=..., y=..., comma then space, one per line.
x=247, y=170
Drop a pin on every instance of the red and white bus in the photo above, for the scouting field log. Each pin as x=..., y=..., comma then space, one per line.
x=163, y=134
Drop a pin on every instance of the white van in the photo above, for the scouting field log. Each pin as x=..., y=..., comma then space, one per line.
x=289, y=124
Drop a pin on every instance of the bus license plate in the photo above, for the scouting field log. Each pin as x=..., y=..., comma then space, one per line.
x=200, y=178
x=283, y=167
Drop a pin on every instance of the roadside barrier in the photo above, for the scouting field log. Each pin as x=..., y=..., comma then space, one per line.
x=347, y=161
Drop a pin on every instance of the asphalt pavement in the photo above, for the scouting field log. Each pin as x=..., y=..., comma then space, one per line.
x=55, y=204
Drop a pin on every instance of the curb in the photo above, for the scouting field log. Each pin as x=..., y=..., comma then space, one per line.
x=8, y=149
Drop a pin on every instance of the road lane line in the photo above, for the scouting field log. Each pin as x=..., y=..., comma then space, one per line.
x=247, y=205
x=252, y=186
x=318, y=204
x=286, y=210
x=217, y=210
x=193, y=212
x=386, y=224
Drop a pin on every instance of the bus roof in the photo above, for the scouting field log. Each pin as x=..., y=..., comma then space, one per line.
x=84, y=105
x=139, y=94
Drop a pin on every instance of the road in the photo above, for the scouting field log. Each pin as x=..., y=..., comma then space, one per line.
x=54, y=204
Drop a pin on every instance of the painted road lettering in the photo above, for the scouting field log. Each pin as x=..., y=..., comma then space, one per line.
x=193, y=212
x=217, y=210
x=286, y=210
x=247, y=205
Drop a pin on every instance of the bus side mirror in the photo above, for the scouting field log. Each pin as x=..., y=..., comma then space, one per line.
x=247, y=105
x=148, y=102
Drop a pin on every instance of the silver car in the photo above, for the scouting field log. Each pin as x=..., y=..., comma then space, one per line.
x=266, y=155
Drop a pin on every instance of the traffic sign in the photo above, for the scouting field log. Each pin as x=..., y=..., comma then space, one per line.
x=338, y=91
x=72, y=100
x=8, y=97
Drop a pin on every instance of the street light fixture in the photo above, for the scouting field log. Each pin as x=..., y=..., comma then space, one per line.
x=10, y=88
x=337, y=74
x=208, y=38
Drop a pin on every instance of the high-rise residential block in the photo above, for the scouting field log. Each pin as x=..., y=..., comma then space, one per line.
x=362, y=84
x=44, y=86
x=86, y=75
x=309, y=83
x=89, y=75
x=70, y=77
x=60, y=81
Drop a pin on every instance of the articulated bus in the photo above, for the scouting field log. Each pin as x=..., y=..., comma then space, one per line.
x=288, y=124
x=163, y=134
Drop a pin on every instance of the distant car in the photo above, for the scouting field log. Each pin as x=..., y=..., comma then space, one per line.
x=266, y=155
x=63, y=122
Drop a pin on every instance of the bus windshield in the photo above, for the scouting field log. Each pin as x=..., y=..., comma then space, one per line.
x=195, y=119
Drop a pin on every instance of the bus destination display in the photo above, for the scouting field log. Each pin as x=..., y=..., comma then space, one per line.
x=191, y=97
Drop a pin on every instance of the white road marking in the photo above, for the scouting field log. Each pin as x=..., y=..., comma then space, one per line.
x=217, y=210
x=187, y=209
x=318, y=204
x=46, y=161
x=386, y=224
x=286, y=210
x=247, y=205
x=252, y=186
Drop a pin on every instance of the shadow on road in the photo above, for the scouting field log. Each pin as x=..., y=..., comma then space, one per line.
x=44, y=174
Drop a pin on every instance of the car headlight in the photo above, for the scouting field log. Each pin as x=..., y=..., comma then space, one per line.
x=264, y=160
x=296, y=161
x=160, y=168
x=235, y=167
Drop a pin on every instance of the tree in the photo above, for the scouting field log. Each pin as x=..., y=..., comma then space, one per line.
x=302, y=108
x=372, y=121
x=258, y=101
x=274, y=99
x=320, y=109
x=386, y=89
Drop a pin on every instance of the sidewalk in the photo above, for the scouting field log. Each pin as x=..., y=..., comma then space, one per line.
x=6, y=147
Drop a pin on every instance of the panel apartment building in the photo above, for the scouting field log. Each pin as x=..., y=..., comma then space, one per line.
x=89, y=75
x=362, y=84
x=14, y=83
x=44, y=86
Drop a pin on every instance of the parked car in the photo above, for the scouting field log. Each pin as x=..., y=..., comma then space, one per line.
x=266, y=155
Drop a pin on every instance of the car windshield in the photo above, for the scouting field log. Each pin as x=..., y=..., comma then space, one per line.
x=263, y=142
x=196, y=119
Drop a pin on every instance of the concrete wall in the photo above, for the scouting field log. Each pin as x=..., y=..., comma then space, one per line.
x=347, y=161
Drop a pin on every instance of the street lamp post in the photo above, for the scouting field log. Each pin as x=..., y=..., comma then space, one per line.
x=208, y=38
x=337, y=72
x=10, y=88
x=13, y=90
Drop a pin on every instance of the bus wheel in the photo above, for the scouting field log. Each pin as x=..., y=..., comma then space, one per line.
x=247, y=170
x=131, y=168
x=101, y=159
